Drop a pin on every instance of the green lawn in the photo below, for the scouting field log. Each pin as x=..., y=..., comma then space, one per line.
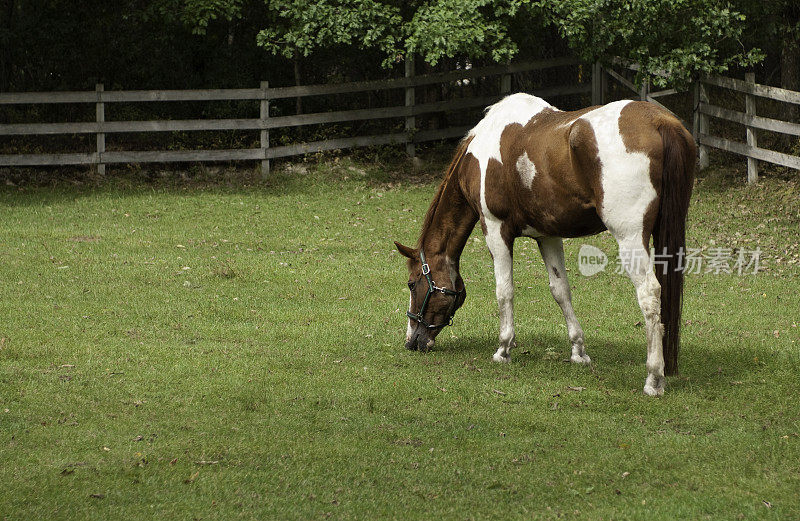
x=185, y=349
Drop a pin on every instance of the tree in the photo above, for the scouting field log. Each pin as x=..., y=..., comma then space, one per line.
x=677, y=37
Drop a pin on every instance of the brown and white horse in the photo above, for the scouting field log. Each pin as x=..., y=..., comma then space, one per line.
x=529, y=169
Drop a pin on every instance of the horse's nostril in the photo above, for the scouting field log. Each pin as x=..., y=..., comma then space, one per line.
x=424, y=343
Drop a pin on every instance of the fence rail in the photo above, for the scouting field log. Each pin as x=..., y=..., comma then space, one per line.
x=703, y=109
x=751, y=121
x=409, y=111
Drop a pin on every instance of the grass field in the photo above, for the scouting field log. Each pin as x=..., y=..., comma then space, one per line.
x=182, y=349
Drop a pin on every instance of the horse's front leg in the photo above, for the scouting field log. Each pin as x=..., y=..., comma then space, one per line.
x=502, y=250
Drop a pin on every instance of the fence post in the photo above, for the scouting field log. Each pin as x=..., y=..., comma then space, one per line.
x=644, y=91
x=752, y=139
x=598, y=85
x=700, y=122
x=264, y=116
x=411, y=122
x=100, y=111
x=505, y=84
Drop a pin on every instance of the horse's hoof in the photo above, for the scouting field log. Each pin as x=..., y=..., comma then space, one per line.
x=653, y=391
x=654, y=385
x=501, y=358
x=581, y=359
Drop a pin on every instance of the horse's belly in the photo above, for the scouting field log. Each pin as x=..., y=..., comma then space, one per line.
x=567, y=222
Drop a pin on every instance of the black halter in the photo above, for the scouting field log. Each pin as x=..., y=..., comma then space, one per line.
x=432, y=287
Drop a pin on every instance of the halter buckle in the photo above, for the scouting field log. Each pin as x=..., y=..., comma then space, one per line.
x=425, y=268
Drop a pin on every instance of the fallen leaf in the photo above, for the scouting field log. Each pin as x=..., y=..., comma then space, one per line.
x=576, y=389
x=191, y=478
x=97, y=496
x=501, y=393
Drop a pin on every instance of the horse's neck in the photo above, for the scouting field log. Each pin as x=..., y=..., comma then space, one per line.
x=453, y=221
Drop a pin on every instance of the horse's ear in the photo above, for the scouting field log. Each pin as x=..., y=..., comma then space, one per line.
x=405, y=251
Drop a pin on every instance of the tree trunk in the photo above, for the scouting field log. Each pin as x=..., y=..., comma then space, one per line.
x=298, y=102
x=6, y=59
x=790, y=68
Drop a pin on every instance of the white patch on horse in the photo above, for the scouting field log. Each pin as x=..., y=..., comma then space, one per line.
x=625, y=176
x=526, y=169
x=518, y=108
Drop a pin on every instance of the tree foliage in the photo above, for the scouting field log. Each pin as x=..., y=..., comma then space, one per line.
x=51, y=43
x=471, y=28
x=308, y=25
x=670, y=39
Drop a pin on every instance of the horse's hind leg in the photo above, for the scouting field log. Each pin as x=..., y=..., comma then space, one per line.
x=552, y=249
x=636, y=261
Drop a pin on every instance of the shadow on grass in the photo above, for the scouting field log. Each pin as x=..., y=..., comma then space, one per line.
x=711, y=370
x=45, y=186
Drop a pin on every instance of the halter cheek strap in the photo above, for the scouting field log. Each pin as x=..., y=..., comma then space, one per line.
x=432, y=287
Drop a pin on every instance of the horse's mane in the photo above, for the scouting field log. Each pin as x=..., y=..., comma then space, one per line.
x=457, y=157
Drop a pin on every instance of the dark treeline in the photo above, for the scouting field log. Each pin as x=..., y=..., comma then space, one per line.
x=49, y=45
x=133, y=44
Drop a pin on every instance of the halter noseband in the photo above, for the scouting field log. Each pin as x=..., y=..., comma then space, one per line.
x=432, y=287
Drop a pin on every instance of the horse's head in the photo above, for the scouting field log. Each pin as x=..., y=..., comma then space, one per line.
x=437, y=291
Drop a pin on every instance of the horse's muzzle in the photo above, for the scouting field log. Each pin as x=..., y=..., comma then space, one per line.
x=420, y=340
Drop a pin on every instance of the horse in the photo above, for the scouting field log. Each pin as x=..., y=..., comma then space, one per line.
x=528, y=169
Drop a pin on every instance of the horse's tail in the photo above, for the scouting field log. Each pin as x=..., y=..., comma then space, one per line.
x=669, y=234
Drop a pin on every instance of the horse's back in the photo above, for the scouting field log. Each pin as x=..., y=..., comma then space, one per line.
x=546, y=172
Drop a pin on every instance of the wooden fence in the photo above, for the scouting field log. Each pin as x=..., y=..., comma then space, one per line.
x=703, y=109
x=748, y=118
x=409, y=111
x=264, y=123
x=641, y=93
